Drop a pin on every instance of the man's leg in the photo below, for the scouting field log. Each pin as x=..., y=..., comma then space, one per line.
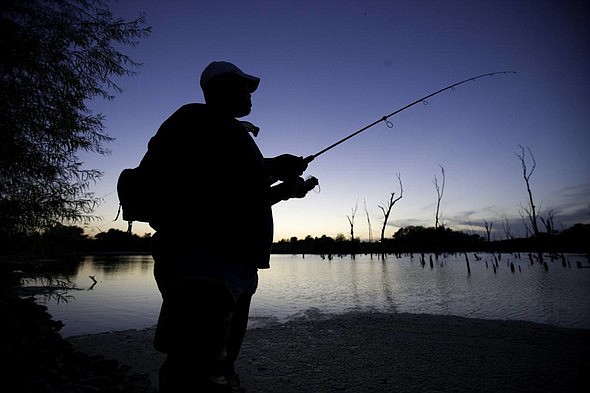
x=239, y=324
x=193, y=332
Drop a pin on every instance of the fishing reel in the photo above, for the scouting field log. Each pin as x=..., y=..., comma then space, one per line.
x=306, y=186
x=310, y=183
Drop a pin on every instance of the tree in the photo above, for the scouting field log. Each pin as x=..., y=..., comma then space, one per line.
x=549, y=222
x=507, y=229
x=387, y=209
x=351, y=220
x=488, y=226
x=57, y=55
x=440, y=190
x=530, y=209
x=368, y=222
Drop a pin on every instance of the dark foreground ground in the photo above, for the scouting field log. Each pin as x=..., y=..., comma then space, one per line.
x=376, y=352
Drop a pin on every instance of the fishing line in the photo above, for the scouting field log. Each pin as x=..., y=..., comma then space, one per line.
x=389, y=124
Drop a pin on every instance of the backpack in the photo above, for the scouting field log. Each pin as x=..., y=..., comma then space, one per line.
x=135, y=195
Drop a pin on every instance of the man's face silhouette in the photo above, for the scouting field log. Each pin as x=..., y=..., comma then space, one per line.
x=230, y=94
x=239, y=99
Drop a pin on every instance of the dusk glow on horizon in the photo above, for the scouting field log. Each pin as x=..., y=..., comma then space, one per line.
x=330, y=68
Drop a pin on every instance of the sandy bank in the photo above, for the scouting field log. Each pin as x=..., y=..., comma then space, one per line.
x=376, y=352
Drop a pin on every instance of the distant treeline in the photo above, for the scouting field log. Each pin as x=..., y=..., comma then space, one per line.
x=429, y=239
x=71, y=240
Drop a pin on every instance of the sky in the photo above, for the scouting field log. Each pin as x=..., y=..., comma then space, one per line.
x=329, y=68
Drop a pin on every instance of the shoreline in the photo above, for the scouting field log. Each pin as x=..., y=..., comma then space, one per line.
x=381, y=352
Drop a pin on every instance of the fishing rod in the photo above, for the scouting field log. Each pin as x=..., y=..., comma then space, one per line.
x=386, y=117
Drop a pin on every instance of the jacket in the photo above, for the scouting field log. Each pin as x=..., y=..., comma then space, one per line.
x=211, y=188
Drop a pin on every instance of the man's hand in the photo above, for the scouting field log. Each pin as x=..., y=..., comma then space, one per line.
x=286, y=166
x=302, y=188
x=294, y=187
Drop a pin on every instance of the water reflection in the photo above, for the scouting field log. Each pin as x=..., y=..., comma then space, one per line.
x=123, y=264
x=386, y=288
x=506, y=286
x=124, y=295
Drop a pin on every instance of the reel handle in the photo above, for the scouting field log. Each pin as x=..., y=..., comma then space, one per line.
x=308, y=184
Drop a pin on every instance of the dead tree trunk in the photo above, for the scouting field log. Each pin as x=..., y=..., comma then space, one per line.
x=488, y=226
x=507, y=229
x=530, y=209
x=351, y=221
x=549, y=222
x=440, y=189
x=387, y=209
x=368, y=222
x=525, y=222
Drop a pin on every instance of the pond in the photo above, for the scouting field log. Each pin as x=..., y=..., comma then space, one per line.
x=552, y=291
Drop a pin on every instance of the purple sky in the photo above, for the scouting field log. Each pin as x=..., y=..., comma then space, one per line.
x=329, y=68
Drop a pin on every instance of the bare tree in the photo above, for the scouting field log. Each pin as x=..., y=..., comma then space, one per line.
x=529, y=209
x=351, y=220
x=525, y=222
x=488, y=226
x=440, y=189
x=507, y=228
x=368, y=222
x=387, y=209
x=549, y=221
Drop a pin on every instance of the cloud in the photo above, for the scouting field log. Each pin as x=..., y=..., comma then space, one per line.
x=576, y=193
x=571, y=205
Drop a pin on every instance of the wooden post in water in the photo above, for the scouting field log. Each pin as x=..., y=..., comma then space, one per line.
x=467, y=262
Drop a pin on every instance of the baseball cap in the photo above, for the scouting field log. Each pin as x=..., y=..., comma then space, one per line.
x=217, y=68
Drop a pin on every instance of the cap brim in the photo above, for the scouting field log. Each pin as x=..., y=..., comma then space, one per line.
x=252, y=81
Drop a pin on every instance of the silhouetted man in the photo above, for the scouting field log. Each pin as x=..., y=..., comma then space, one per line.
x=214, y=228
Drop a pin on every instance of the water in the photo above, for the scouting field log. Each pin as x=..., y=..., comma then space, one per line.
x=126, y=297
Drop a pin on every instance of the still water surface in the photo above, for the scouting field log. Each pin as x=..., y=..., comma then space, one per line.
x=126, y=297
